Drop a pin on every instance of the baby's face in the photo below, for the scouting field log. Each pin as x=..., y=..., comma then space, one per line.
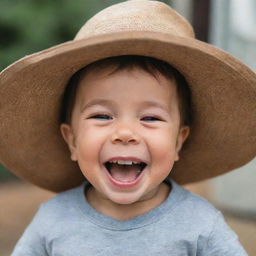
x=125, y=132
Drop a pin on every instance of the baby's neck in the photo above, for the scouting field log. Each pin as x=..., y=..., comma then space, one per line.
x=127, y=211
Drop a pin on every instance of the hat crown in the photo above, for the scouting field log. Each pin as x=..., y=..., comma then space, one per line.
x=136, y=15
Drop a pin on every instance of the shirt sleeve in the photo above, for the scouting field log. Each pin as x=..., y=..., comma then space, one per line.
x=223, y=241
x=31, y=242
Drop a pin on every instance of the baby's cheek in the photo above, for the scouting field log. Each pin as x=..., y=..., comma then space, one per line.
x=163, y=141
x=89, y=143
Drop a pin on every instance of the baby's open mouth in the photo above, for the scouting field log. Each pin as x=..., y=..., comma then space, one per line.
x=125, y=170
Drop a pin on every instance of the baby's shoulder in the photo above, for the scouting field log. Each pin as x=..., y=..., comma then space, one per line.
x=61, y=205
x=193, y=207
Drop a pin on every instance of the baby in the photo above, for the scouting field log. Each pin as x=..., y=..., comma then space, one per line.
x=143, y=107
x=125, y=126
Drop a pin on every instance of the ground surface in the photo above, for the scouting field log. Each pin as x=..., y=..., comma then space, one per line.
x=19, y=202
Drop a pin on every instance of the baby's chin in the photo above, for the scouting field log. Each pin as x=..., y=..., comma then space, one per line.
x=141, y=196
x=125, y=198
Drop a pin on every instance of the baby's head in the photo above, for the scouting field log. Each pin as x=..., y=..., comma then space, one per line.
x=125, y=120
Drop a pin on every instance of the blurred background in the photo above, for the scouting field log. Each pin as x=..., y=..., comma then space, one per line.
x=27, y=26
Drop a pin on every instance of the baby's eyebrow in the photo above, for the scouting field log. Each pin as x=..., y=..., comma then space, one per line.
x=109, y=103
x=155, y=104
x=102, y=102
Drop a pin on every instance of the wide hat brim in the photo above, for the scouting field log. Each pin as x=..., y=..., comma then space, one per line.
x=223, y=97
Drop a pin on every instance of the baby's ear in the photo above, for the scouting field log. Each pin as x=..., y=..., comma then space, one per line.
x=69, y=137
x=182, y=136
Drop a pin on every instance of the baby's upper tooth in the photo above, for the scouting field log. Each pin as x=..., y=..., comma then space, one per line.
x=128, y=162
x=123, y=162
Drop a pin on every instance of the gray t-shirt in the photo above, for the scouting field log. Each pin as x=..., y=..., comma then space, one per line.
x=183, y=225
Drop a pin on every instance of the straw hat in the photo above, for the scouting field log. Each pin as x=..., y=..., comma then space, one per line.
x=223, y=93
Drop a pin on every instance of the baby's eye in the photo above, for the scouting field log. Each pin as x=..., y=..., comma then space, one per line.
x=101, y=117
x=150, y=118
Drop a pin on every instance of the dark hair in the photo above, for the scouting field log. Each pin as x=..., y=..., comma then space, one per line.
x=151, y=65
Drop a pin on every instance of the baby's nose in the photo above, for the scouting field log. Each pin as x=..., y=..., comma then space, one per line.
x=125, y=133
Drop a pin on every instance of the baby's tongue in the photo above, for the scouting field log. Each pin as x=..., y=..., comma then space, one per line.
x=125, y=173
